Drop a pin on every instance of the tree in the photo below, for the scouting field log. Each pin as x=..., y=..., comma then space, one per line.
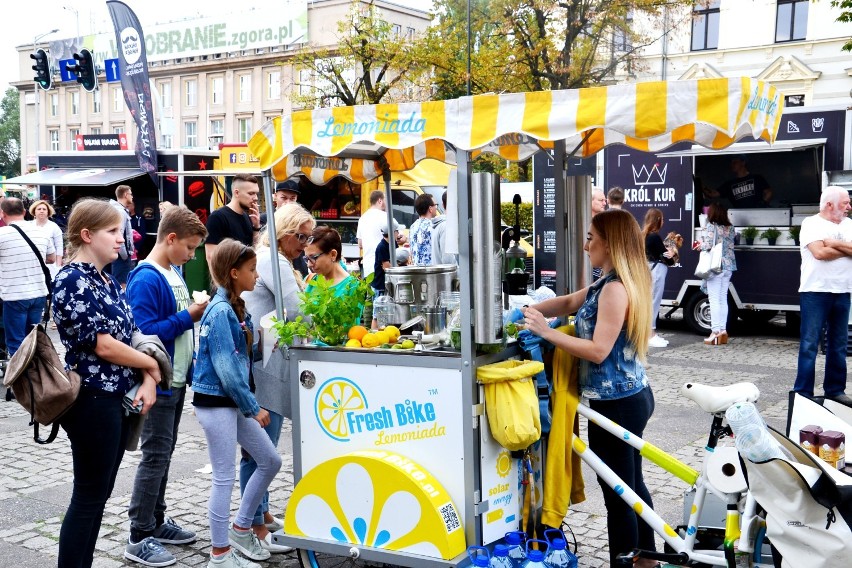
x=845, y=16
x=366, y=67
x=10, y=133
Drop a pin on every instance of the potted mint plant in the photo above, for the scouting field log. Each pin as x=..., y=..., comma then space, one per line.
x=794, y=233
x=771, y=235
x=749, y=234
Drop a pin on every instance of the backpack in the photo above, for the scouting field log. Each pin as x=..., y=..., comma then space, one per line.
x=40, y=383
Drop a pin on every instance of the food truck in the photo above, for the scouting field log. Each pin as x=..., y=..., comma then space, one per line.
x=393, y=462
x=812, y=150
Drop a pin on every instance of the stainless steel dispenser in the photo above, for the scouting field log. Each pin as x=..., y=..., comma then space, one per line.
x=487, y=277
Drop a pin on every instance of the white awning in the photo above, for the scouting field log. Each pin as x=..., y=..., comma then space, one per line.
x=73, y=176
x=749, y=148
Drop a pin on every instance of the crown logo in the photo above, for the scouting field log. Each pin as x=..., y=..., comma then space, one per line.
x=653, y=176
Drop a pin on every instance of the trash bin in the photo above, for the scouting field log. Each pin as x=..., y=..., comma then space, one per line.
x=195, y=271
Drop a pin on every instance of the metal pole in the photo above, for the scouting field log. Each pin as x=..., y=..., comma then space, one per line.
x=38, y=96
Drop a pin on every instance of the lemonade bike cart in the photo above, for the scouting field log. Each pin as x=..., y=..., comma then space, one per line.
x=393, y=463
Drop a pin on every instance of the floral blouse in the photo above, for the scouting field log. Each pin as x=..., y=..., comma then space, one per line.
x=84, y=306
x=721, y=234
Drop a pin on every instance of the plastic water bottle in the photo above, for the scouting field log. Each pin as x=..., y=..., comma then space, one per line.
x=558, y=555
x=500, y=557
x=535, y=558
x=515, y=544
x=479, y=556
x=385, y=311
x=752, y=437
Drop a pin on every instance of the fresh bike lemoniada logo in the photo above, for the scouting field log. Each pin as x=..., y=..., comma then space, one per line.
x=342, y=411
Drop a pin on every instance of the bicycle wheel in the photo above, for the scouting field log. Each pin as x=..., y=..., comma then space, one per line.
x=311, y=559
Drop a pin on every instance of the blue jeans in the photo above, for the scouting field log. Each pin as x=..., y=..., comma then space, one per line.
x=19, y=316
x=248, y=465
x=159, y=435
x=830, y=312
x=625, y=529
x=97, y=429
x=658, y=283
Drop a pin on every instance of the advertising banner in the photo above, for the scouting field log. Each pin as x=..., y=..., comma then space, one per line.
x=88, y=142
x=133, y=69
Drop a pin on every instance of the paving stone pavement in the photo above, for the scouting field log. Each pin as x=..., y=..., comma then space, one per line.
x=35, y=481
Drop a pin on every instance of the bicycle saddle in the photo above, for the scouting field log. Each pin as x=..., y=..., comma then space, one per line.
x=718, y=399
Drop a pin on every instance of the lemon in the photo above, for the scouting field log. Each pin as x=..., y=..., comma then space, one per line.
x=370, y=340
x=383, y=337
x=408, y=344
x=393, y=331
x=353, y=343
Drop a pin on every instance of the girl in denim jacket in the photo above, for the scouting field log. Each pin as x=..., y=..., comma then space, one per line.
x=613, y=325
x=227, y=409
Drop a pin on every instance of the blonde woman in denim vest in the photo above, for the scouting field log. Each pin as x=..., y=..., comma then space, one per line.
x=613, y=325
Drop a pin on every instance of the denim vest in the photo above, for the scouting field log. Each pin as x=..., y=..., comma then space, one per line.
x=621, y=374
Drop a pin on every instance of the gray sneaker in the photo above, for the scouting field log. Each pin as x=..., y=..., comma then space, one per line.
x=231, y=560
x=172, y=533
x=149, y=552
x=247, y=543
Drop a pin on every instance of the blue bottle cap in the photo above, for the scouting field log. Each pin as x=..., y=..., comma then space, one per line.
x=513, y=538
x=481, y=561
x=535, y=555
x=501, y=550
x=557, y=544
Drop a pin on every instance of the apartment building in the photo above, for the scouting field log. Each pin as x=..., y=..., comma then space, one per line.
x=216, y=79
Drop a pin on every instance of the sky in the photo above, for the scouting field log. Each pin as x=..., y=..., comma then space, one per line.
x=92, y=16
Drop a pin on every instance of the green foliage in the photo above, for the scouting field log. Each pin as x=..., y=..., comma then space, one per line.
x=332, y=315
x=845, y=17
x=287, y=331
x=794, y=232
x=10, y=134
x=749, y=232
x=507, y=214
x=770, y=233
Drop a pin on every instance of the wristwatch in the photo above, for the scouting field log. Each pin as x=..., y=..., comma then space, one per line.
x=256, y=229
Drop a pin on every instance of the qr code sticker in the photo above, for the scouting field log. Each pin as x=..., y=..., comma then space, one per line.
x=451, y=518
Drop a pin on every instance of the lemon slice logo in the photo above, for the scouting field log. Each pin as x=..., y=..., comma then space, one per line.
x=377, y=499
x=336, y=398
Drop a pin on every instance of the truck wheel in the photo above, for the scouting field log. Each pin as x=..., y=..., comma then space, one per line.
x=696, y=312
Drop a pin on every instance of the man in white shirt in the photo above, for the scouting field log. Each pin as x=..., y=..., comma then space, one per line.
x=826, y=281
x=369, y=232
x=22, y=283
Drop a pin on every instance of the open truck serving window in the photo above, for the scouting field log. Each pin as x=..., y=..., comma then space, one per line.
x=812, y=147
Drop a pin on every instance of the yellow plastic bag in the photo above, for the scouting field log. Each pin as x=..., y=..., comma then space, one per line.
x=511, y=402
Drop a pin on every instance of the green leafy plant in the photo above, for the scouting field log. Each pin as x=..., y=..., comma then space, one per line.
x=749, y=232
x=794, y=233
x=332, y=315
x=287, y=331
x=770, y=234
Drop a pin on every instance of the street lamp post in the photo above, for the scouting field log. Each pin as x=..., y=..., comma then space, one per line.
x=38, y=94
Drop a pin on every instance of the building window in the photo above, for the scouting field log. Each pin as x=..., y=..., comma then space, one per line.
x=165, y=88
x=54, y=104
x=273, y=85
x=190, y=134
x=166, y=142
x=305, y=82
x=96, y=101
x=118, y=129
x=117, y=100
x=792, y=20
x=244, y=129
x=245, y=89
x=74, y=102
x=216, y=134
x=54, y=140
x=217, y=90
x=794, y=100
x=705, y=25
x=72, y=136
x=396, y=30
x=96, y=131
x=621, y=41
x=190, y=91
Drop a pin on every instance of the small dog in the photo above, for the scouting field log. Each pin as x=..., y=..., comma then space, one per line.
x=673, y=242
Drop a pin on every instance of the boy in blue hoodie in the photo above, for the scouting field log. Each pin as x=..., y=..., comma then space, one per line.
x=162, y=306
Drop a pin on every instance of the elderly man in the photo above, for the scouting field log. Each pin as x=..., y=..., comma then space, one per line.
x=826, y=281
x=598, y=201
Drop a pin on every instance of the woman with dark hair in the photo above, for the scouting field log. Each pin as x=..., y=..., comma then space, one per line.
x=718, y=230
x=323, y=253
x=227, y=409
x=659, y=259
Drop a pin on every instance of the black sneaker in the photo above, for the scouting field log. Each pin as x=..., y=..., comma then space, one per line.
x=172, y=533
x=149, y=552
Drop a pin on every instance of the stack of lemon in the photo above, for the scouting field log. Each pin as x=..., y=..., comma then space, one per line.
x=360, y=336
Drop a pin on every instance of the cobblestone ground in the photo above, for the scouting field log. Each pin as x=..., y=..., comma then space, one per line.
x=35, y=481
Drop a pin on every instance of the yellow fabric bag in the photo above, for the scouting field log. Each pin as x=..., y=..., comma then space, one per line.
x=511, y=402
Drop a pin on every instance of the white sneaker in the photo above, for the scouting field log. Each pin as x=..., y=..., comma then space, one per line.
x=247, y=543
x=657, y=341
x=273, y=547
x=276, y=524
x=231, y=560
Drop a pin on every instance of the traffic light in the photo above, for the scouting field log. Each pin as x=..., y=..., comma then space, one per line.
x=85, y=70
x=43, y=77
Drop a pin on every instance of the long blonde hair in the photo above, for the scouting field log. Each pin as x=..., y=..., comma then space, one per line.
x=627, y=253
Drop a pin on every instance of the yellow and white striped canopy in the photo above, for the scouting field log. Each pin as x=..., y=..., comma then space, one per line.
x=646, y=116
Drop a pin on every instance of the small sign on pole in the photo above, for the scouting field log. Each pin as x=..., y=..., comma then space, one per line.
x=111, y=69
x=64, y=73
